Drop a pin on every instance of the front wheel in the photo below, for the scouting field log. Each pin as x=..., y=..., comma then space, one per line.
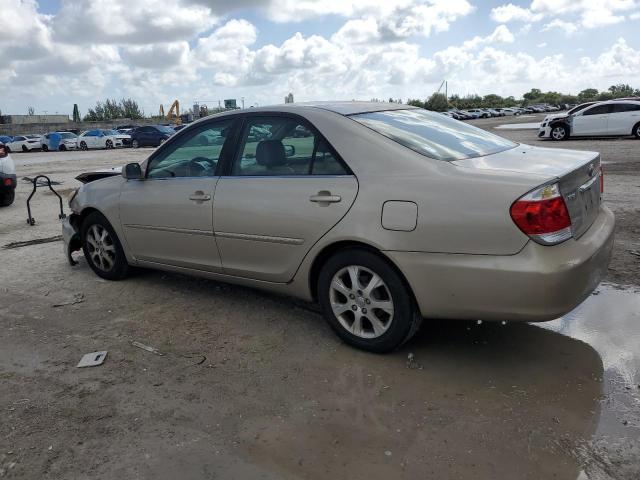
x=25, y=148
x=135, y=144
x=366, y=302
x=636, y=131
x=559, y=132
x=108, y=144
x=102, y=249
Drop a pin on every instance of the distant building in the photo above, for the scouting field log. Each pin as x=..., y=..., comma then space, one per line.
x=29, y=119
x=289, y=98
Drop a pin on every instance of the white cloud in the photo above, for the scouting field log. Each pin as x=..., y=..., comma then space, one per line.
x=567, y=27
x=126, y=21
x=510, y=13
x=588, y=13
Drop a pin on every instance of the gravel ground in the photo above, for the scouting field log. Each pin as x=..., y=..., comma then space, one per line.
x=253, y=385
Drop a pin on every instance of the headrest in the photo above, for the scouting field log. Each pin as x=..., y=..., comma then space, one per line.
x=270, y=153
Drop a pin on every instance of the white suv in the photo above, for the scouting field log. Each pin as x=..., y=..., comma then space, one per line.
x=611, y=118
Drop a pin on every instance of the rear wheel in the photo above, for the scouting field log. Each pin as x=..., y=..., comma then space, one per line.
x=102, y=249
x=7, y=198
x=559, y=132
x=108, y=144
x=135, y=144
x=24, y=148
x=366, y=302
x=45, y=148
x=636, y=130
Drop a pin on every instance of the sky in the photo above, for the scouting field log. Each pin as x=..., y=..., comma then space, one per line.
x=54, y=53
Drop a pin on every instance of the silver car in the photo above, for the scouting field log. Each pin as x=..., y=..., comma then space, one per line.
x=384, y=214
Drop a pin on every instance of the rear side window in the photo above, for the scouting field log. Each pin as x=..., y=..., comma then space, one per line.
x=434, y=135
x=283, y=146
x=625, y=107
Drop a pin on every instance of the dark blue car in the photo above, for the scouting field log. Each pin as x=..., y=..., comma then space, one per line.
x=150, y=136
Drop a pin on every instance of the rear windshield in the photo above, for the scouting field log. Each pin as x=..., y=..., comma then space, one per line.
x=433, y=134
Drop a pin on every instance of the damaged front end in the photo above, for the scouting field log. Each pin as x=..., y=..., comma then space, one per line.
x=71, y=236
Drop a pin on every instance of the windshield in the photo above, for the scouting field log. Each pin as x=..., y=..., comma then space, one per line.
x=434, y=135
x=67, y=135
x=110, y=132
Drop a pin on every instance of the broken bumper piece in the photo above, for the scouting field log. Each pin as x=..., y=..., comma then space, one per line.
x=71, y=237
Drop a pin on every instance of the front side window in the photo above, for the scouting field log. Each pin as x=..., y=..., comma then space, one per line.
x=195, y=154
x=283, y=146
x=597, y=110
x=434, y=135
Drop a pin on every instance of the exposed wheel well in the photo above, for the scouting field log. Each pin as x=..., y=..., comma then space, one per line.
x=329, y=250
x=84, y=214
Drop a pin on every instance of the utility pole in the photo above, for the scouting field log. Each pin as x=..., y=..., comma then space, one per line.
x=242, y=102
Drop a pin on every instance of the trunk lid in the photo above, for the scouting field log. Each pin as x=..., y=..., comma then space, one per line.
x=577, y=173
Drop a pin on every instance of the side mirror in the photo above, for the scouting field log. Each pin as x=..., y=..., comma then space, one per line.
x=132, y=171
x=289, y=150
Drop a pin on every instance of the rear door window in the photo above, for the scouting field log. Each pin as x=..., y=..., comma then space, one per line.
x=434, y=135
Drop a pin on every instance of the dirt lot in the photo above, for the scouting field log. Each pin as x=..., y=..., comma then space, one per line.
x=252, y=385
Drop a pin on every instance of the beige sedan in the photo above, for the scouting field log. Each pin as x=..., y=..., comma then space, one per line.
x=382, y=213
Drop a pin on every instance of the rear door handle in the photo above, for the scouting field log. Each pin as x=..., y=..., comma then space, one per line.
x=199, y=196
x=325, y=197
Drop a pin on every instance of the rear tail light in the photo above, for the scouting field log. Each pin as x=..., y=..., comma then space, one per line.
x=543, y=215
x=8, y=182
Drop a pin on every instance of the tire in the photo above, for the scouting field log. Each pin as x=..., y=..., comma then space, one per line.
x=45, y=148
x=83, y=146
x=7, y=199
x=24, y=148
x=62, y=148
x=103, y=251
x=7, y=148
x=356, y=321
x=135, y=144
x=108, y=145
x=636, y=130
x=559, y=132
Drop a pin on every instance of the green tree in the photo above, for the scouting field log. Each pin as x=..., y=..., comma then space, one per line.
x=130, y=109
x=532, y=95
x=76, y=113
x=415, y=102
x=587, y=95
x=437, y=102
x=621, y=90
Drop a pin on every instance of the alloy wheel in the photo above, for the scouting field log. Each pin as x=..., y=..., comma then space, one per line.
x=361, y=301
x=558, y=133
x=101, y=248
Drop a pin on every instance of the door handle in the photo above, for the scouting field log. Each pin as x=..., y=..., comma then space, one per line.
x=199, y=197
x=325, y=197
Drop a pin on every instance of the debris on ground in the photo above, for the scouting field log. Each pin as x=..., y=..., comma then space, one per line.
x=147, y=348
x=412, y=364
x=35, y=241
x=77, y=298
x=92, y=359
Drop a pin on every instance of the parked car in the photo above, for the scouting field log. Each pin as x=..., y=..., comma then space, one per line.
x=610, y=118
x=480, y=112
x=99, y=138
x=4, y=139
x=7, y=177
x=22, y=142
x=549, y=118
x=495, y=112
x=472, y=114
x=55, y=141
x=418, y=215
x=151, y=135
